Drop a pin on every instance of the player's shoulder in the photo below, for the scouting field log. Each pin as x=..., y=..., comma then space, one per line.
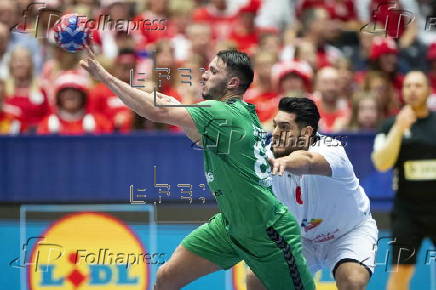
x=327, y=143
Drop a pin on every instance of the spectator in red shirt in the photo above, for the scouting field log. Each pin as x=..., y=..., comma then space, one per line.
x=216, y=15
x=244, y=32
x=384, y=58
x=61, y=61
x=25, y=98
x=71, y=116
x=154, y=24
x=393, y=17
x=102, y=100
x=341, y=10
x=8, y=123
x=262, y=93
x=334, y=114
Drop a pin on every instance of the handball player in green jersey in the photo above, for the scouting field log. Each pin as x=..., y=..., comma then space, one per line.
x=252, y=224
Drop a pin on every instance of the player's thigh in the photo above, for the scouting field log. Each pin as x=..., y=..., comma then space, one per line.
x=277, y=258
x=184, y=267
x=211, y=241
x=311, y=253
x=358, y=246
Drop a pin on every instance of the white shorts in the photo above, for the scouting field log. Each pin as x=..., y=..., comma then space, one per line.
x=358, y=245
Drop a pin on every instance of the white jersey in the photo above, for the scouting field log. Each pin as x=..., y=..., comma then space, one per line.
x=325, y=207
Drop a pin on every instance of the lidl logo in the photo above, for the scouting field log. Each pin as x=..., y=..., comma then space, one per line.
x=93, y=251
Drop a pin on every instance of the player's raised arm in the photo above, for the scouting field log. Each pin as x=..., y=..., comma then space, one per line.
x=142, y=102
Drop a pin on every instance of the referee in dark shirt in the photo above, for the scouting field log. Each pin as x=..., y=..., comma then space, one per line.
x=407, y=143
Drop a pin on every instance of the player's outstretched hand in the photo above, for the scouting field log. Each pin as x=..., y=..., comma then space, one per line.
x=91, y=65
x=278, y=165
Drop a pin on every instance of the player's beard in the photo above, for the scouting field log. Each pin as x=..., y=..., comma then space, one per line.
x=286, y=147
x=216, y=92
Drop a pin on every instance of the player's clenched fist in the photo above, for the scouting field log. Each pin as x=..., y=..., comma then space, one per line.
x=405, y=118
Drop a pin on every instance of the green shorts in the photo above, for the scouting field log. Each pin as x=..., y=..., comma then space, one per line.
x=275, y=255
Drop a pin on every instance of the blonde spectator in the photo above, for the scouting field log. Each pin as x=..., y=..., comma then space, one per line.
x=8, y=123
x=24, y=95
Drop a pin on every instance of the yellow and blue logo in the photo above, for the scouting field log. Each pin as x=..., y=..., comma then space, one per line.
x=88, y=251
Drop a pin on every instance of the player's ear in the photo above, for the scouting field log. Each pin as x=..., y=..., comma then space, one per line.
x=307, y=131
x=233, y=83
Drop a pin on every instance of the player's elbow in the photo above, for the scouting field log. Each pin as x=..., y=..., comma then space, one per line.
x=379, y=163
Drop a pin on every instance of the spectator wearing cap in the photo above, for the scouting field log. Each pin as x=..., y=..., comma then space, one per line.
x=262, y=92
x=293, y=78
x=71, y=116
x=8, y=123
x=217, y=15
x=60, y=61
x=334, y=113
x=431, y=57
x=384, y=58
x=102, y=100
x=24, y=96
x=244, y=32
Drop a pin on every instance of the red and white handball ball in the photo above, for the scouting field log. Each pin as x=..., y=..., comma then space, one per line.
x=71, y=32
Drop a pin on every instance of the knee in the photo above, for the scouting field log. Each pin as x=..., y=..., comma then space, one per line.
x=165, y=279
x=355, y=280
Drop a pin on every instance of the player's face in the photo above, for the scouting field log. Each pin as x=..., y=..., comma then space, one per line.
x=287, y=135
x=415, y=89
x=214, y=80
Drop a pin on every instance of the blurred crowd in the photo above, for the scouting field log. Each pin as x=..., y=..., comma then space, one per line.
x=349, y=56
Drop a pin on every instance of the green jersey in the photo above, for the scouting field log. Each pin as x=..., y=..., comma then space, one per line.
x=236, y=165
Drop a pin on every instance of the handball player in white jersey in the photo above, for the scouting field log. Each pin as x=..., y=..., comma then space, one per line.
x=314, y=178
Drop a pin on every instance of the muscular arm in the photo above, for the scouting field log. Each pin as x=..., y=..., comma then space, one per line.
x=302, y=162
x=142, y=102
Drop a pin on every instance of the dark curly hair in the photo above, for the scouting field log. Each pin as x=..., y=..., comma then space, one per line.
x=305, y=110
